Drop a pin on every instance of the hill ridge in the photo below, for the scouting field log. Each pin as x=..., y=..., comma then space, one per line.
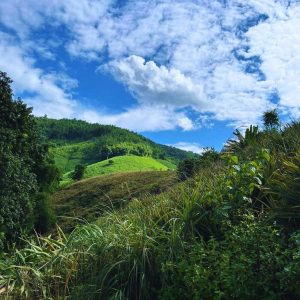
x=75, y=142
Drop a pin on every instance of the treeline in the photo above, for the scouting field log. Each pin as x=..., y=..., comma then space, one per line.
x=70, y=130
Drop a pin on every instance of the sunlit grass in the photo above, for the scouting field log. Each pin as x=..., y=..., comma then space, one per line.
x=118, y=164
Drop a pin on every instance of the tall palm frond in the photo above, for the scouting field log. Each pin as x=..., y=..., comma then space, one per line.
x=241, y=141
x=283, y=193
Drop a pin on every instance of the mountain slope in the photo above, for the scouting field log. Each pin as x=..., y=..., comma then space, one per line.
x=119, y=164
x=78, y=142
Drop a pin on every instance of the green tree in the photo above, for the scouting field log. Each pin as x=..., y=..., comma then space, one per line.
x=78, y=172
x=23, y=156
x=17, y=181
x=271, y=119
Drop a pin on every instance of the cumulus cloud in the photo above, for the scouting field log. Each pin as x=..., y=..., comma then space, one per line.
x=142, y=118
x=277, y=42
x=194, y=147
x=230, y=93
x=47, y=93
x=153, y=84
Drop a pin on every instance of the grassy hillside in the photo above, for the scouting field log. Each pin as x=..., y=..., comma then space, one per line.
x=77, y=142
x=230, y=232
x=120, y=164
x=90, y=197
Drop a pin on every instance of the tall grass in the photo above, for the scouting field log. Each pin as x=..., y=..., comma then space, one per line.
x=112, y=259
x=207, y=238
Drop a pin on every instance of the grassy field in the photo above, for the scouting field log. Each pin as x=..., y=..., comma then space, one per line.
x=167, y=163
x=120, y=164
x=88, y=198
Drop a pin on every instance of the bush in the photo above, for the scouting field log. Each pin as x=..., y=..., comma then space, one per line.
x=44, y=213
x=248, y=263
x=187, y=168
x=155, y=189
x=78, y=172
x=191, y=166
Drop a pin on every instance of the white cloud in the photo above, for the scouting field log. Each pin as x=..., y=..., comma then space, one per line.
x=170, y=54
x=277, y=42
x=152, y=84
x=231, y=94
x=142, y=118
x=194, y=147
x=47, y=93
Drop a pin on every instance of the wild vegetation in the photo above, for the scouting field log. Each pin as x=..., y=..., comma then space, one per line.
x=227, y=228
x=27, y=173
x=88, y=199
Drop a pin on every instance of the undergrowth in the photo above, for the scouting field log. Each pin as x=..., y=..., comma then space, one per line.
x=232, y=232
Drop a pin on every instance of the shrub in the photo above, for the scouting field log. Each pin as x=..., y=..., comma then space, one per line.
x=187, y=168
x=78, y=172
x=248, y=262
x=44, y=213
x=155, y=189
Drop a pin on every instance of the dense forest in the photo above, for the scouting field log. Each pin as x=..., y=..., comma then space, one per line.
x=224, y=226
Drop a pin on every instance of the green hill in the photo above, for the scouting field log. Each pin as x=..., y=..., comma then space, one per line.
x=75, y=142
x=121, y=164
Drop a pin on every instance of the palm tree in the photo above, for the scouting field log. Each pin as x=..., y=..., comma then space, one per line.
x=271, y=119
x=242, y=141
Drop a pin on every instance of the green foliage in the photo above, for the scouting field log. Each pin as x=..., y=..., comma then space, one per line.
x=44, y=214
x=18, y=184
x=187, y=168
x=230, y=233
x=126, y=148
x=246, y=263
x=283, y=192
x=78, y=172
x=281, y=143
x=25, y=167
x=140, y=252
x=242, y=141
x=191, y=166
x=271, y=119
x=290, y=142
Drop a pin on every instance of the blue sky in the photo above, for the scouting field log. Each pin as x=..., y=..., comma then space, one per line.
x=184, y=73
